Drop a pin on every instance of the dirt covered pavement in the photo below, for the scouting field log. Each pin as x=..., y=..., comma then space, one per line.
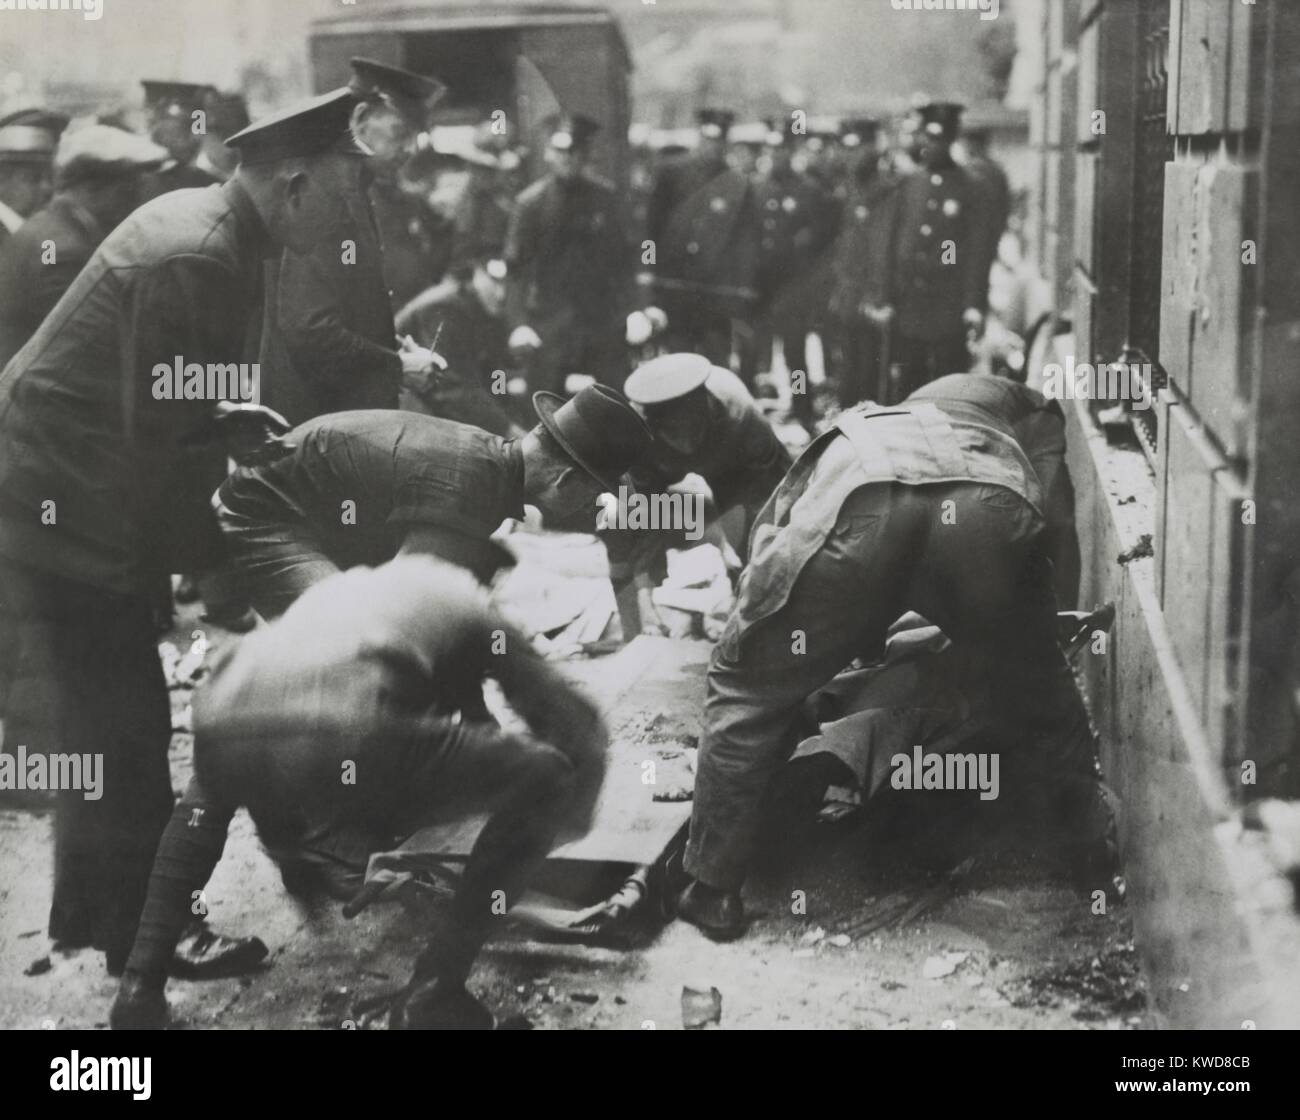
x=1004, y=943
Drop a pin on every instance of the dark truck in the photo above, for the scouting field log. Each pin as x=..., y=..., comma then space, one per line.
x=528, y=59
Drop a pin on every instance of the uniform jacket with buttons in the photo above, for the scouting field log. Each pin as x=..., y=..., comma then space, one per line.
x=936, y=262
x=703, y=220
x=101, y=482
x=330, y=344
x=568, y=254
x=797, y=220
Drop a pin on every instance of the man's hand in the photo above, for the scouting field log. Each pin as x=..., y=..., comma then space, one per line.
x=139, y=1006
x=418, y=359
x=524, y=338
x=251, y=433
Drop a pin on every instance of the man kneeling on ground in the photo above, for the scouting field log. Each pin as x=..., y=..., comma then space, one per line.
x=344, y=726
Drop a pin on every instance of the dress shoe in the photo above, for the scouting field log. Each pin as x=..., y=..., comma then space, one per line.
x=432, y=1005
x=204, y=955
x=719, y=915
x=139, y=1006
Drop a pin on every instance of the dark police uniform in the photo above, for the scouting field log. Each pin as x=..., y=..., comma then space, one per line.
x=103, y=491
x=703, y=221
x=571, y=272
x=330, y=343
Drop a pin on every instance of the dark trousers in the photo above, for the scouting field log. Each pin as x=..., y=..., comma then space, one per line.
x=272, y=564
x=697, y=325
x=854, y=354
x=978, y=574
x=84, y=678
x=922, y=360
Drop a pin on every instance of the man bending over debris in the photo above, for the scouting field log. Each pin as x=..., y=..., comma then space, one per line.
x=358, y=487
x=342, y=727
x=932, y=506
x=704, y=422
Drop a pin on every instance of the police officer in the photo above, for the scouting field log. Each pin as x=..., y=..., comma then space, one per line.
x=992, y=182
x=935, y=287
x=105, y=484
x=330, y=343
x=377, y=671
x=933, y=507
x=225, y=114
x=704, y=423
x=174, y=111
x=854, y=343
x=98, y=172
x=572, y=267
x=798, y=219
x=28, y=139
x=702, y=221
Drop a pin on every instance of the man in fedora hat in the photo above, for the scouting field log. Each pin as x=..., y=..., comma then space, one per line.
x=329, y=344
x=28, y=139
x=98, y=175
x=105, y=486
x=377, y=674
x=570, y=287
x=361, y=487
x=933, y=289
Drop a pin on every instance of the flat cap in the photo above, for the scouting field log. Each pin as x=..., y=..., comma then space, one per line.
x=667, y=378
x=941, y=118
x=174, y=99
x=408, y=93
x=313, y=127
x=99, y=148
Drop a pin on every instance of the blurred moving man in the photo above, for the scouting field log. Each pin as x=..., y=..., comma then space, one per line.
x=105, y=486
x=98, y=176
x=354, y=721
x=177, y=122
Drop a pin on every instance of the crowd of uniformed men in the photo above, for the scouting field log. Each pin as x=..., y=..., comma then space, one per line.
x=417, y=360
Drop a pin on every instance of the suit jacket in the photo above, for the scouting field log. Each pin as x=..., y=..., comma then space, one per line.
x=30, y=285
x=568, y=254
x=85, y=445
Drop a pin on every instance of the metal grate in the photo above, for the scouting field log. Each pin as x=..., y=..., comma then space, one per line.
x=1154, y=148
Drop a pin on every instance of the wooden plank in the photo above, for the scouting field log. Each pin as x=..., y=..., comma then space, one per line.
x=1087, y=89
x=1195, y=71
x=1244, y=103
x=1222, y=729
x=1172, y=101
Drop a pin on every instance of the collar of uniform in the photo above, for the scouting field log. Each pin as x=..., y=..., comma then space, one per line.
x=252, y=229
x=10, y=218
